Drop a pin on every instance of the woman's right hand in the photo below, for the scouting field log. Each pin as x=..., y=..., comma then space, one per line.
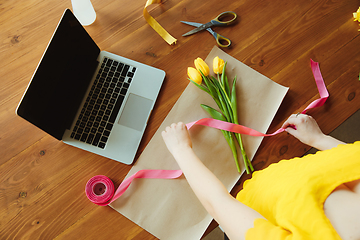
x=304, y=128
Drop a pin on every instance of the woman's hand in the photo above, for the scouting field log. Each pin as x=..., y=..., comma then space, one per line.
x=176, y=138
x=305, y=128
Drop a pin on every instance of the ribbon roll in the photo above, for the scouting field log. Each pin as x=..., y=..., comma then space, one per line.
x=156, y=26
x=231, y=127
x=100, y=189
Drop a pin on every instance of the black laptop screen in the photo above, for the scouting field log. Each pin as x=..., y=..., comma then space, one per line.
x=61, y=79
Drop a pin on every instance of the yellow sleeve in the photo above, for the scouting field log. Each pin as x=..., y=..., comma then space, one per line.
x=264, y=229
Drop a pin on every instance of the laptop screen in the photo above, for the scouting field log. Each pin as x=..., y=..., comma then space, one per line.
x=61, y=79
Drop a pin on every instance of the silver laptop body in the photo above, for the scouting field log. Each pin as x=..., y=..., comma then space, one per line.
x=90, y=99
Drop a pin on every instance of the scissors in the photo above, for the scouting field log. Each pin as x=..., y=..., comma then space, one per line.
x=221, y=40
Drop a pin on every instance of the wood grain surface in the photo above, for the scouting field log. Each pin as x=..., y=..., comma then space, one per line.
x=42, y=180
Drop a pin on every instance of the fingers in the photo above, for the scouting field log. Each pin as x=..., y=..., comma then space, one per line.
x=290, y=130
x=174, y=126
x=296, y=119
x=176, y=137
x=290, y=121
x=177, y=126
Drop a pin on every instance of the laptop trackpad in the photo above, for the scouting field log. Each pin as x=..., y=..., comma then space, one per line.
x=136, y=112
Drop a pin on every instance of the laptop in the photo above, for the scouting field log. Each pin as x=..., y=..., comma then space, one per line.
x=90, y=99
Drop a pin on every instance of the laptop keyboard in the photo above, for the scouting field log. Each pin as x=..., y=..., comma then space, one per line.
x=103, y=103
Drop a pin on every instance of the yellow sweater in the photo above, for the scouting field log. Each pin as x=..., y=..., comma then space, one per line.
x=291, y=194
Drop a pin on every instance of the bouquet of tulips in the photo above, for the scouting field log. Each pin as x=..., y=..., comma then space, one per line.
x=225, y=98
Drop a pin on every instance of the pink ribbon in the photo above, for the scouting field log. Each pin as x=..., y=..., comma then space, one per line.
x=324, y=94
x=100, y=189
x=231, y=127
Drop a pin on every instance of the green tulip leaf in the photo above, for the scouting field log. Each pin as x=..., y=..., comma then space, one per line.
x=213, y=112
x=200, y=86
x=233, y=101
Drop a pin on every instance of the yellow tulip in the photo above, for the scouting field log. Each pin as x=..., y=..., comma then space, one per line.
x=194, y=75
x=202, y=66
x=356, y=15
x=218, y=65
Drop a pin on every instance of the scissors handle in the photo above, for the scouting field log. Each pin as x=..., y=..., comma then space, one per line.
x=224, y=19
x=220, y=40
x=223, y=41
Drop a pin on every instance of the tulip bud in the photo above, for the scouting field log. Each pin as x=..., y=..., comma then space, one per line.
x=202, y=66
x=218, y=65
x=194, y=75
x=356, y=15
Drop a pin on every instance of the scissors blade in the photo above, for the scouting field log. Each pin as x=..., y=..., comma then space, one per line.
x=194, y=24
x=199, y=27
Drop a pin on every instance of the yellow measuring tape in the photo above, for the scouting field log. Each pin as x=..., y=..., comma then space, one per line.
x=156, y=26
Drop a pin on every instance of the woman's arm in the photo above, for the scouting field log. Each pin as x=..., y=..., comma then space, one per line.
x=305, y=128
x=233, y=216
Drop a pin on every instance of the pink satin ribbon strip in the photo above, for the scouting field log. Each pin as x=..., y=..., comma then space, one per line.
x=231, y=127
x=324, y=94
x=100, y=189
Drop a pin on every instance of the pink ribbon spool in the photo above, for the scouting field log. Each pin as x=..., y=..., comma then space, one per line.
x=99, y=189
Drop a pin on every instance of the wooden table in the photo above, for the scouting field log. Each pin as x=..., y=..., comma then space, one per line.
x=42, y=180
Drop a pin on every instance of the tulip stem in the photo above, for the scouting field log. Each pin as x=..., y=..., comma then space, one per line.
x=248, y=166
x=232, y=113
